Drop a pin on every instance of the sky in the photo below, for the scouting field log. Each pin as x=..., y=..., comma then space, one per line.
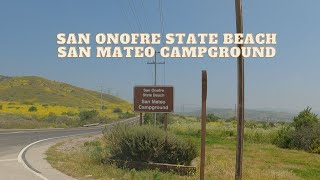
x=287, y=82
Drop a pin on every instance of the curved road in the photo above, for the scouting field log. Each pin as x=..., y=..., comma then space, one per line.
x=13, y=141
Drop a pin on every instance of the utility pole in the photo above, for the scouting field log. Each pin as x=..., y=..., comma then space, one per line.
x=155, y=78
x=110, y=91
x=101, y=103
x=240, y=112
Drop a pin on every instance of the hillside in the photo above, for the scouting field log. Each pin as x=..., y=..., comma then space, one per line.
x=250, y=114
x=31, y=89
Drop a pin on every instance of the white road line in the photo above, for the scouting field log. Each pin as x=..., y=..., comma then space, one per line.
x=13, y=132
x=7, y=160
x=23, y=151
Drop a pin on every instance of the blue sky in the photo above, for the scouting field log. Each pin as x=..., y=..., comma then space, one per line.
x=290, y=81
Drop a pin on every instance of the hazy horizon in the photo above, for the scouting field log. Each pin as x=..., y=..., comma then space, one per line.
x=197, y=107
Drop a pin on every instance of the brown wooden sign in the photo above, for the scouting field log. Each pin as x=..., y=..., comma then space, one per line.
x=153, y=99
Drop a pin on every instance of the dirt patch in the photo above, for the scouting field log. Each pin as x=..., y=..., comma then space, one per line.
x=76, y=144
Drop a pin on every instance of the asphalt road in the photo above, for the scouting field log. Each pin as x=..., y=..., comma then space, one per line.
x=13, y=141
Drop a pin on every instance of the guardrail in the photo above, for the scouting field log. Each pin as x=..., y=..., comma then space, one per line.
x=89, y=125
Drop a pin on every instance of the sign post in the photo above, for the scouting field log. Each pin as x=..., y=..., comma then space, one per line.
x=165, y=121
x=203, y=124
x=141, y=119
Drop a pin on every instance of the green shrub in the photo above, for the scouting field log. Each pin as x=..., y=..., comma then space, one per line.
x=61, y=120
x=51, y=118
x=32, y=109
x=176, y=151
x=306, y=138
x=92, y=143
x=149, y=144
x=260, y=135
x=212, y=118
x=161, y=117
x=232, y=119
x=70, y=113
x=228, y=133
x=117, y=110
x=315, y=146
x=104, y=119
x=303, y=133
x=125, y=115
x=148, y=117
x=284, y=138
x=1, y=106
x=104, y=107
x=251, y=124
x=87, y=116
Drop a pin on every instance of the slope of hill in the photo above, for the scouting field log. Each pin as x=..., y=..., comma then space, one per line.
x=39, y=90
x=250, y=114
x=35, y=102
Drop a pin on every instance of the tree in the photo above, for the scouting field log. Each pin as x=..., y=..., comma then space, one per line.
x=104, y=107
x=231, y=119
x=32, y=109
x=212, y=118
x=303, y=133
x=305, y=119
x=87, y=115
x=117, y=110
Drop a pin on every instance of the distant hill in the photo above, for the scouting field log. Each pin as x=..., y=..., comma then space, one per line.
x=40, y=90
x=3, y=77
x=258, y=115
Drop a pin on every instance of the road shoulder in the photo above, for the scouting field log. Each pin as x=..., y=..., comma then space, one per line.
x=36, y=158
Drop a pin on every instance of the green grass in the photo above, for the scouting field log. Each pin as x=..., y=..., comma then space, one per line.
x=18, y=121
x=79, y=164
x=259, y=115
x=262, y=160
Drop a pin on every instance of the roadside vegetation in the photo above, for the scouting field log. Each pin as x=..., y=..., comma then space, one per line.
x=264, y=157
x=148, y=144
x=34, y=115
